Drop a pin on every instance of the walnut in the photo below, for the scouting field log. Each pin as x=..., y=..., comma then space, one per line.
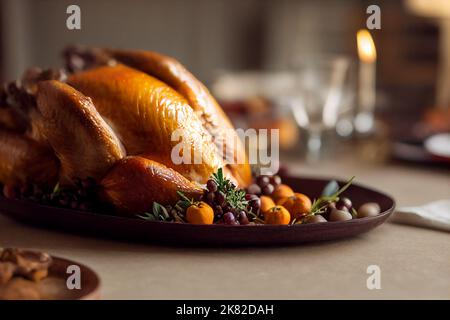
x=28, y=264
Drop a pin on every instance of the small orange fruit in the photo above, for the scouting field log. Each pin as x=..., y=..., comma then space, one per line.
x=282, y=191
x=266, y=203
x=200, y=213
x=298, y=205
x=277, y=215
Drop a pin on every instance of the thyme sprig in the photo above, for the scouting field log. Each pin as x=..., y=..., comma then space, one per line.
x=234, y=196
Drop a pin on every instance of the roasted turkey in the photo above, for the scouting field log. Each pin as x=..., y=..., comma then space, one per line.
x=137, y=122
x=84, y=143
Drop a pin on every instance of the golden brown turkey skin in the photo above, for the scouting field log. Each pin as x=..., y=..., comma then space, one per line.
x=134, y=183
x=145, y=113
x=205, y=106
x=84, y=143
x=23, y=160
x=12, y=120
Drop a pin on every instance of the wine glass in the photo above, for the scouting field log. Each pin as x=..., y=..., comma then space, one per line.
x=316, y=102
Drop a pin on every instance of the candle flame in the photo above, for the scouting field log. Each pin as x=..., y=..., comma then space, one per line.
x=366, y=46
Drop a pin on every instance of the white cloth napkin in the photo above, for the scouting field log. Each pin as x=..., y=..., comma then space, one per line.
x=434, y=215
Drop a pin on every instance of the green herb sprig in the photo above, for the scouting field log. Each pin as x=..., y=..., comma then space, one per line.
x=159, y=213
x=234, y=196
x=184, y=201
x=320, y=204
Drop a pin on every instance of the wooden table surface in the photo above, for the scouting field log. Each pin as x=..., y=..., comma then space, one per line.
x=414, y=262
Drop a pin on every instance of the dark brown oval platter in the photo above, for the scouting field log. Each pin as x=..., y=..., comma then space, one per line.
x=101, y=225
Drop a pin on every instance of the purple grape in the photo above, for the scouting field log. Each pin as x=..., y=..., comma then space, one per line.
x=254, y=189
x=341, y=206
x=255, y=204
x=315, y=219
x=218, y=210
x=243, y=218
x=263, y=181
x=210, y=197
x=275, y=180
x=63, y=201
x=74, y=204
x=220, y=198
x=268, y=189
x=229, y=218
x=369, y=209
x=211, y=185
x=340, y=215
x=250, y=197
x=330, y=207
x=344, y=202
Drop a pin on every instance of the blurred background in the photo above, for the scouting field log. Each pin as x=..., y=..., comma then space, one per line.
x=286, y=64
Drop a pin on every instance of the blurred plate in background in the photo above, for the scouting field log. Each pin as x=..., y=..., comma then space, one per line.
x=438, y=145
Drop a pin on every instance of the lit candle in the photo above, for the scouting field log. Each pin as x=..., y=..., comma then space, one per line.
x=364, y=121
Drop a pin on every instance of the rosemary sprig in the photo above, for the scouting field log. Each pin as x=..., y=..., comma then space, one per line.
x=234, y=196
x=320, y=204
x=219, y=179
x=56, y=189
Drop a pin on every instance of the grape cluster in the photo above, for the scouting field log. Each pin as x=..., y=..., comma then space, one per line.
x=265, y=185
x=254, y=203
x=340, y=210
x=224, y=211
x=81, y=196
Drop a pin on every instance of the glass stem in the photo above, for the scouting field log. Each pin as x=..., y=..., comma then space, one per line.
x=314, y=145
